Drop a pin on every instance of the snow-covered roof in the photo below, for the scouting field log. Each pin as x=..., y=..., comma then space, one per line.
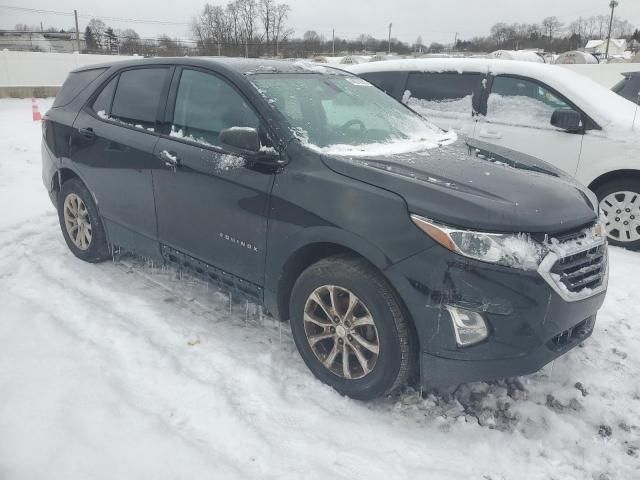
x=523, y=55
x=617, y=42
x=600, y=103
x=575, y=57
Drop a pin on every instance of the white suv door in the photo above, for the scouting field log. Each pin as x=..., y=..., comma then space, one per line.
x=519, y=118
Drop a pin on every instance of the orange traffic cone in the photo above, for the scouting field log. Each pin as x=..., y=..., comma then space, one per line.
x=34, y=111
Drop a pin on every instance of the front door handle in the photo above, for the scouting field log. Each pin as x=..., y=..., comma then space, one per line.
x=169, y=158
x=87, y=133
x=490, y=134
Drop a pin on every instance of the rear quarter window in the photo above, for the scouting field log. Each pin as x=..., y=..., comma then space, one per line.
x=388, y=82
x=75, y=83
x=442, y=86
x=447, y=94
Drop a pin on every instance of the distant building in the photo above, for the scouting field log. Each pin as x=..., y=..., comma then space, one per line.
x=40, y=41
x=599, y=47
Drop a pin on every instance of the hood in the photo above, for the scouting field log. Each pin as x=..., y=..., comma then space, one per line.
x=478, y=186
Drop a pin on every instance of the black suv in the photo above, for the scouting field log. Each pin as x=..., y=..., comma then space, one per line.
x=396, y=251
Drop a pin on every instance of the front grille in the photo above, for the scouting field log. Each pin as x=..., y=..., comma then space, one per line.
x=573, y=335
x=582, y=270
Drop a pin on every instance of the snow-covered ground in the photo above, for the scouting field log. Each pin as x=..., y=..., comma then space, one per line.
x=121, y=370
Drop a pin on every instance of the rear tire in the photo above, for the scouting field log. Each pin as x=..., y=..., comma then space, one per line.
x=80, y=222
x=620, y=203
x=342, y=304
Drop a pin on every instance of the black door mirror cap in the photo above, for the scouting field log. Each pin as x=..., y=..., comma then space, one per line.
x=243, y=138
x=568, y=120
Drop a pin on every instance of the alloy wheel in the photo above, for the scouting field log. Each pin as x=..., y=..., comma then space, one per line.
x=76, y=221
x=622, y=212
x=341, y=332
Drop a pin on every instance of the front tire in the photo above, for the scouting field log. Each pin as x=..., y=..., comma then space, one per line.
x=80, y=222
x=350, y=329
x=620, y=203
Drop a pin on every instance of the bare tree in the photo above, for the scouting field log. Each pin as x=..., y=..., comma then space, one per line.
x=551, y=26
x=279, y=30
x=248, y=10
x=602, y=24
x=98, y=28
x=129, y=41
x=267, y=11
x=211, y=28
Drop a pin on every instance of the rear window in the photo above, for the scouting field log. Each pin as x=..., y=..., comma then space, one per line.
x=74, y=84
x=442, y=86
x=138, y=96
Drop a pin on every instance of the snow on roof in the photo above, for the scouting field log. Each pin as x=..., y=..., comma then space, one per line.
x=523, y=55
x=600, y=103
x=574, y=57
x=618, y=42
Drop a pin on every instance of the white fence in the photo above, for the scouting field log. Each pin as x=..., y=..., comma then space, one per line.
x=39, y=69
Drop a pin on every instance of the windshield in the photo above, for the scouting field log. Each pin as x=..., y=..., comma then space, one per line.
x=340, y=114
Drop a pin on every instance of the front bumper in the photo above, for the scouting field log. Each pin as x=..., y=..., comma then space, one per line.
x=530, y=323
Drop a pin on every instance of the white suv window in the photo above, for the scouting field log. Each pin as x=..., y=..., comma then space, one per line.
x=515, y=101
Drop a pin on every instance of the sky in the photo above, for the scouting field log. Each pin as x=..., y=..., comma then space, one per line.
x=432, y=20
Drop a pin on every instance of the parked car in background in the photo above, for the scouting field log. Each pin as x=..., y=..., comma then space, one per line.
x=545, y=111
x=394, y=251
x=629, y=87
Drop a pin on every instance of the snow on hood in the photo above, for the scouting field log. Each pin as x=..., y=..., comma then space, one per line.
x=611, y=111
x=398, y=147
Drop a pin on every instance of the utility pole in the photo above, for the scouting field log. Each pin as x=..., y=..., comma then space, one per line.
x=333, y=42
x=455, y=41
x=390, y=25
x=613, y=6
x=75, y=14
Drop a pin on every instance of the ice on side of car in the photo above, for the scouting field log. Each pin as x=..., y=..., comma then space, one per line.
x=224, y=162
x=179, y=133
x=230, y=162
x=102, y=114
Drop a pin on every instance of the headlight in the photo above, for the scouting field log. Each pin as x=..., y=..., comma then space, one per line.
x=512, y=250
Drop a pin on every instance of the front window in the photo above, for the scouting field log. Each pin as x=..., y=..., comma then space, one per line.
x=205, y=106
x=340, y=114
x=515, y=101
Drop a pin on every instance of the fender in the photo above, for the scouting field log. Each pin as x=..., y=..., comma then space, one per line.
x=282, y=259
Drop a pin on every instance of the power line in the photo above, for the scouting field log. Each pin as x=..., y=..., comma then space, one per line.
x=87, y=15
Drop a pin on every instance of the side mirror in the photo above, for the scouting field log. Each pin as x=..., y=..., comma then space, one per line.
x=243, y=138
x=568, y=120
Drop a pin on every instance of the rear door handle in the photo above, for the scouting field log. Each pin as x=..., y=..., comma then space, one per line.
x=490, y=134
x=169, y=158
x=87, y=132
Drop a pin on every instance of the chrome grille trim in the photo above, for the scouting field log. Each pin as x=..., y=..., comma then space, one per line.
x=587, y=265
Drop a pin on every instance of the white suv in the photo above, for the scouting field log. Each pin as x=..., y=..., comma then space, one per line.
x=545, y=111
